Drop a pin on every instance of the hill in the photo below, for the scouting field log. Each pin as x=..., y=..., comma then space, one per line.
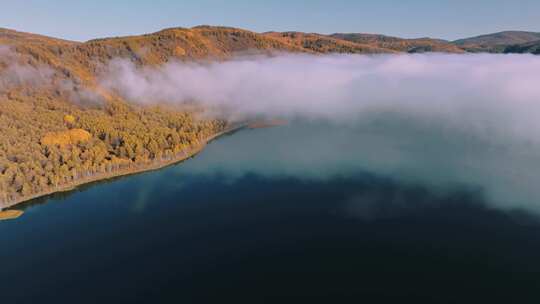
x=180, y=43
x=496, y=42
x=318, y=43
x=419, y=45
x=59, y=127
x=529, y=47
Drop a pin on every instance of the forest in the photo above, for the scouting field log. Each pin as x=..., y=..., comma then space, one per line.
x=47, y=144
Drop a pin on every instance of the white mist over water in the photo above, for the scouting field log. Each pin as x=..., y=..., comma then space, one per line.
x=407, y=152
x=436, y=119
x=479, y=93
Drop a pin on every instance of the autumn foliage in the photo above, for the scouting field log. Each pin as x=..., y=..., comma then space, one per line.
x=40, y=153
x=64, y=138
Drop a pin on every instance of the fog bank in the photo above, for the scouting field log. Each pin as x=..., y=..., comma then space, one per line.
x=480, y=92
x=406, y=152
x=440, y=120
x=14, y=72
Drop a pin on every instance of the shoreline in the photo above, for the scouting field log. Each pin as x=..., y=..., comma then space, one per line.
x=152, y=166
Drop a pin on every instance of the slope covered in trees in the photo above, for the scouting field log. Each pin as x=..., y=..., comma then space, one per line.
x=40, y=151
x=418, y=45
x=498, y=42
x=318, y=43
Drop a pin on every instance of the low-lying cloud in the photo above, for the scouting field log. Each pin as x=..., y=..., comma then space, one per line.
x=15, y=73
x=479, y=91
x=434, y=119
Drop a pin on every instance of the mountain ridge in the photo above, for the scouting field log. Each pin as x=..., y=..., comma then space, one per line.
x=414, y=45
x=206, y=41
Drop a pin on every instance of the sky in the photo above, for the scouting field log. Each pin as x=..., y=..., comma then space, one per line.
x=446, y=19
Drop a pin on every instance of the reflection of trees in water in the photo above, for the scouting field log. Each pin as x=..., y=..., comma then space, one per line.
x=60, y=196
x=10, y=214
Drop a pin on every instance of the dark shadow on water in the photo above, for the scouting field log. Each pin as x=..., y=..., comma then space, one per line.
x=64, y=195
x=256, y=239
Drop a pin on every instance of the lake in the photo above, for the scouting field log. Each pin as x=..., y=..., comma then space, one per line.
x=379, y=211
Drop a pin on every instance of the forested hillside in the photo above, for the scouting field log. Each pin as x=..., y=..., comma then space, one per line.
x=524, y=48
x=501, y=42
x=419, y=45
x=46, y=144
x=325, y=44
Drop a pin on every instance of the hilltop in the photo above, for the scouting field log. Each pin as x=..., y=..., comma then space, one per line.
x=317, y=43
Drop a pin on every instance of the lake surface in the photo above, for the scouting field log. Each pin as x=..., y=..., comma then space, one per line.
x=373, y=212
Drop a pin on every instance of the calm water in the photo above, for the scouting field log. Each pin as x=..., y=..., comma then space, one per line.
x=375, y=213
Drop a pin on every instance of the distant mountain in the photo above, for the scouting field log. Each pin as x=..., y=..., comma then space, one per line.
x=529, y=47
x=183, y=43
x=222, y=42
x=496, y=42
x=327, y=44
x=418, y=45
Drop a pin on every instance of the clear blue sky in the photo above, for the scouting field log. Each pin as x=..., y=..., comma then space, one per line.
x=448, y=19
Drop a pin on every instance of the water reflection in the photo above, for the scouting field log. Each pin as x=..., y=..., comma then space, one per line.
x=440, y=157
x=10, y=214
